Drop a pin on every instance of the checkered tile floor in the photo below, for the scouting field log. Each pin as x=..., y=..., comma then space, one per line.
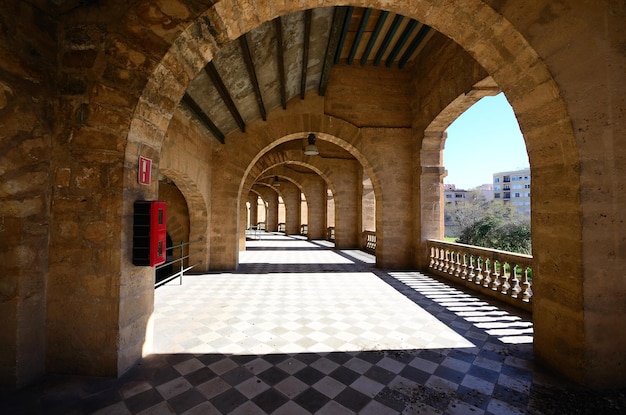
x=303, y=329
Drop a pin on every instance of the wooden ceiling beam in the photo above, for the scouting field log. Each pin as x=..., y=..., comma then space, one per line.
x=374, y=36
x=344, y=32
x=203, y=117
x=359, y=35
x=388, y=37
x=223, y=91
x=247, y=58
x=415, y=43
x=410, y=27
x=339, y=16
x=308, y=16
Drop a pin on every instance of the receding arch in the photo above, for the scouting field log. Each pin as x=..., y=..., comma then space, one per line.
x=198, y=214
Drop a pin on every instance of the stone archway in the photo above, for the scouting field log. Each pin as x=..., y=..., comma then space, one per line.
x=514, y=65
x=431, y=161
x=313, y=186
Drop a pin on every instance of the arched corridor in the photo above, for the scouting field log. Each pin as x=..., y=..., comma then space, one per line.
x=102, y=102
x=303, y=328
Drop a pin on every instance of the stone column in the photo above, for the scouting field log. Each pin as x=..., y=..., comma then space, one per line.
x=431, y=174
x=316, y=199
x=392, y=161
x=253, y=200
x=368, y=203
x=347, y=229
x=291, y=198
x=271, y=198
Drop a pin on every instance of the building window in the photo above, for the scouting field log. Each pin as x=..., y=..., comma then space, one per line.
x=496, y=195
x=496, y=180
x=507, y=187
x=516, y=194
x=496, y=187
x=507, y=195
x=506, y=179
x=527, y=186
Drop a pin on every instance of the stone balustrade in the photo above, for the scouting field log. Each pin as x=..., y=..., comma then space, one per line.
x=369, y=242
x=506, y=276
x=330, y=234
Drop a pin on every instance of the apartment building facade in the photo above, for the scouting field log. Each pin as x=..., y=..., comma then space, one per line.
x=513, y=187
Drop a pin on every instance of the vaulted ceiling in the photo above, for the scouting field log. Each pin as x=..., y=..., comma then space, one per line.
x=292, y=55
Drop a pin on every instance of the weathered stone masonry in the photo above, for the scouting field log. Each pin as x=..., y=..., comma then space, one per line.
x=85, y=88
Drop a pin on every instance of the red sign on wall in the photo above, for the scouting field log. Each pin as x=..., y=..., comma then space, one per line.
x=145, y=167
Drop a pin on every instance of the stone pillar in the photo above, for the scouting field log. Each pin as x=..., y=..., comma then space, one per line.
x=253, y=199
x=392, y=161
x=291, y=198
x=430, y=190
x=316, y=200
x=368, y=203
x=347, y=203
x=271, y=223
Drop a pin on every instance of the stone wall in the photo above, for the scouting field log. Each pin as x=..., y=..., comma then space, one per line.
x=27, y=124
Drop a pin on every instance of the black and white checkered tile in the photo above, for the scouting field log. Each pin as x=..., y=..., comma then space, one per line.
x=304, y=329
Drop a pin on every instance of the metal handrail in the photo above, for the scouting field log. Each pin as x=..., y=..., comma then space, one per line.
x=182, y=268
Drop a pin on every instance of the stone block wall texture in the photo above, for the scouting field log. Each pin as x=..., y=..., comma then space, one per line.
x=26, y=142
x=102, y=86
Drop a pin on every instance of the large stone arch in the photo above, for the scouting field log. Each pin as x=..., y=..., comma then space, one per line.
x=432, y=169
x=513, y=64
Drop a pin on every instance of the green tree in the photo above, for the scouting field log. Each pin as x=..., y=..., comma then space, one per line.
x=498, y=233
x=461, y=214
x=495, y=224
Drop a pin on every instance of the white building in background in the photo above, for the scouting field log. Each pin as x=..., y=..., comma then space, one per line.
x=513, y=187
x=487, y=191
x=452, y=194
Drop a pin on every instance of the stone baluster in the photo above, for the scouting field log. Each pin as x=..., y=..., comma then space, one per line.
x=497, y=271
x=489, y=264
x=442, y=258
x=480, y=263
x=464, y=266
x=431, y=251
x=506, y=286
x=528, y=292
x=515, y=285
x=446, y=268
x=471, y=274
x=457, y=270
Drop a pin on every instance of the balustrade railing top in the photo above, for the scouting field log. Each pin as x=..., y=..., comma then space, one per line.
x=500, y=274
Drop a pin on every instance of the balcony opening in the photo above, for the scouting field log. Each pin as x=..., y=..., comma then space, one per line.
x=485, y=157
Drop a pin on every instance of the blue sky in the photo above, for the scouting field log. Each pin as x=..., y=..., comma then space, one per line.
x=485, y=139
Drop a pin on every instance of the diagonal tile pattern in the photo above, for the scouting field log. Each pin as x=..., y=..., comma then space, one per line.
x=303, y=329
